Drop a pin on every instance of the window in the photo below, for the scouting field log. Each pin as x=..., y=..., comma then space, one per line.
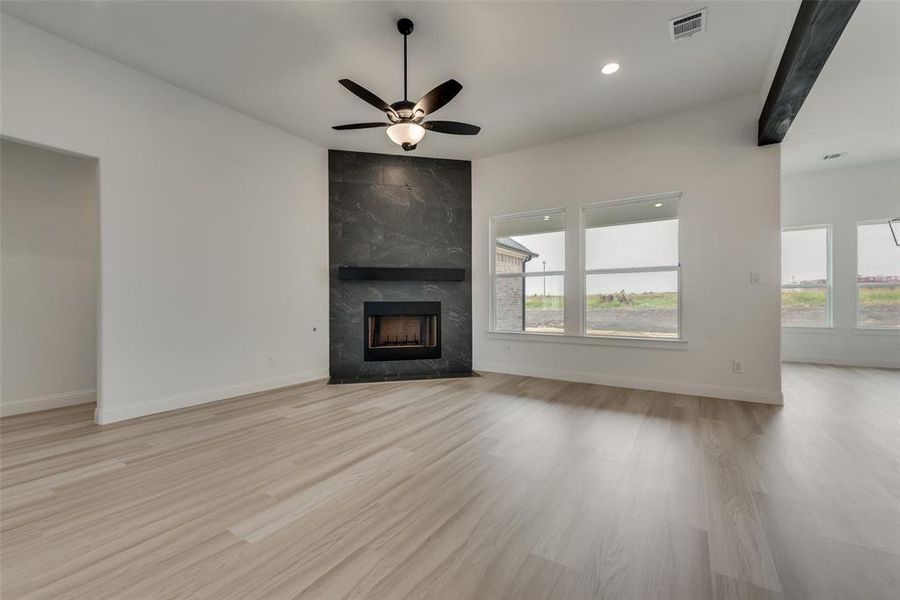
x=806, y=277
x=528, y=272
x=632, y=273
x=877, y=276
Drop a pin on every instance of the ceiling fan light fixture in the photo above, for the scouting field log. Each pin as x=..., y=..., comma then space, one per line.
x=406, y=133
x=610, y=68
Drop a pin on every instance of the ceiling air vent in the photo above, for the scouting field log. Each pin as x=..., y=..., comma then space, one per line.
x=688, y=25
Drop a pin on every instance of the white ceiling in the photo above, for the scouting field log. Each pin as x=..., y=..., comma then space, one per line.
x=854, y=105
x=530, y=70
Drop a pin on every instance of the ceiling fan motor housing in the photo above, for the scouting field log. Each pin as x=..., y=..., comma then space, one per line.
x=407, y=110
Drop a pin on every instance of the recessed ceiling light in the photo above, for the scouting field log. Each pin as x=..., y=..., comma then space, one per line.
x=609, y=68
x=658, y=204
x=546, y=217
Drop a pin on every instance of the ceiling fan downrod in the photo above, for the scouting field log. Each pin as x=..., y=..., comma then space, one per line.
x=405, y=26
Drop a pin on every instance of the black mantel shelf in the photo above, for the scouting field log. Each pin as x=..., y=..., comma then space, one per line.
x=400, y=274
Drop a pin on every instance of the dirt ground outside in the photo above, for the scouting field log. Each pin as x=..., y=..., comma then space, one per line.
x=872, y=315
x=656, y=322
x=663, y=322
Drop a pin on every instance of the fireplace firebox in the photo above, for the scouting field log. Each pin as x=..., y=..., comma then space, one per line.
x=402, y=330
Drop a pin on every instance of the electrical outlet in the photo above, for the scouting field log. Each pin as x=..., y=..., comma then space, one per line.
x=755, y=277
x=270, y=361
x=737, y=367
x=508, y=349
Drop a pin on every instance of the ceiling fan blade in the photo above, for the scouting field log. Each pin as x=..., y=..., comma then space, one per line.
x=438, y=97
x=453, y=127
x=360, y=126
x=368, y=96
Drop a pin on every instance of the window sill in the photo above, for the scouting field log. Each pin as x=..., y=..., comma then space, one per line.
x=826, y=330
x=876, y=331
x=584, y=340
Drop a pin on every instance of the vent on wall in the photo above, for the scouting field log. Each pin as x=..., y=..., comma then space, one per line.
x=688, y=25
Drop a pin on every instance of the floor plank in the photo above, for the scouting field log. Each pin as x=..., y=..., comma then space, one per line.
x=483, y=488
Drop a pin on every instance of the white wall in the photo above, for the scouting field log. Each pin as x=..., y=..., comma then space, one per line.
x=213, y=228
x=49, y=278
x=842, y=197
x=730, y=225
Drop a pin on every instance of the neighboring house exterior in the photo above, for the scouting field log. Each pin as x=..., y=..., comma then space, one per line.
x=511, y=257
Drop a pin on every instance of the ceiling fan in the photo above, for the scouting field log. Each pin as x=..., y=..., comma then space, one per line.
x=406, y=124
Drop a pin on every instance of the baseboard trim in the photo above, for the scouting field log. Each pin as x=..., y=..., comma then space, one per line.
x=818, y=359
x=29, y=405
x=640, y=383
x=105, y=416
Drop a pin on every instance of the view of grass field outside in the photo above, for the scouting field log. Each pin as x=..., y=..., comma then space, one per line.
x=635, y=303
x=645, y=305
x=529, y=268
x=543, y=299
x=878, y=277
x=631, y=280
x=643, y=301
x=805, y=298
x=544, y=304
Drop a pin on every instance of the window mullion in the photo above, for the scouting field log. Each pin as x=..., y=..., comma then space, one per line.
x=572, y=286
x=531, y=274
x=656, y=269
x=542, y=273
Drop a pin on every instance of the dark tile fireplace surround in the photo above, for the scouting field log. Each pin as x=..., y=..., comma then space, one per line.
x=400, y=257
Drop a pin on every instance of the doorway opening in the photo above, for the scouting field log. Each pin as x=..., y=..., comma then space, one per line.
x=49, y=273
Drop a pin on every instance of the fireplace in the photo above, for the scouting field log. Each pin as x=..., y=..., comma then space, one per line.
x=402, y=330
x=413, y=242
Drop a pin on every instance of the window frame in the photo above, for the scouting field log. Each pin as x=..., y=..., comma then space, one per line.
x=829, y=280
x=492, y=256
x=857, y=325
x=585, y=272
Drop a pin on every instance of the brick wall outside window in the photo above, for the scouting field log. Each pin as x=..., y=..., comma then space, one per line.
x=508, y=293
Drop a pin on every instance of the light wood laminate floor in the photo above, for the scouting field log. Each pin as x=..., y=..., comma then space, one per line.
x=490, y=487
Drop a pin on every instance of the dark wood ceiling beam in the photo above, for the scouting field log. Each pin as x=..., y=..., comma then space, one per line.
x=817, y=28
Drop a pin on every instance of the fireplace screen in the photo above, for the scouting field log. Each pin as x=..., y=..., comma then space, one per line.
x=402, y=330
